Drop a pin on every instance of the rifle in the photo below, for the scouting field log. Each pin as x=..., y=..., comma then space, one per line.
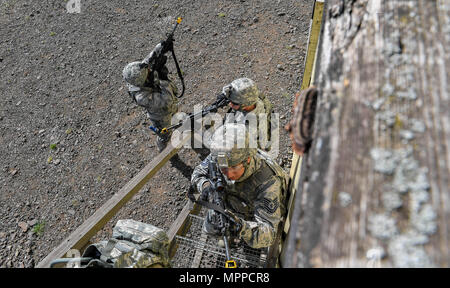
x=157, y=61
x=224, y=221
x=221, y=101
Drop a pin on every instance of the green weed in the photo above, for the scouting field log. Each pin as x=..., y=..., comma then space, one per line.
x=38, y=229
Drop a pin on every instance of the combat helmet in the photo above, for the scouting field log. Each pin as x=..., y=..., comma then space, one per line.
x=231, y=145
x=135, y=73
x=242, y=91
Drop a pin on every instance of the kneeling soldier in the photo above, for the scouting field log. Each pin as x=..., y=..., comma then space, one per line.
x=247, y=105
x=254, y=189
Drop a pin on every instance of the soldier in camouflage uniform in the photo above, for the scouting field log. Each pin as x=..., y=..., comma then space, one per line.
x=154, y=91
x=255, y=189
x=247, y=104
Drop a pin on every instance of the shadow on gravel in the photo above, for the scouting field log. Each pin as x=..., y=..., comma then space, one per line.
x=185, y=169
x=202, y=152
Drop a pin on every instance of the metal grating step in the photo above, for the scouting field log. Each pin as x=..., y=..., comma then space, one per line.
x=199, y=250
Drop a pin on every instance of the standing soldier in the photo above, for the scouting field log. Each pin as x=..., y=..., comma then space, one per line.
x=251, y=107
x=255, y=186
x=153, y=90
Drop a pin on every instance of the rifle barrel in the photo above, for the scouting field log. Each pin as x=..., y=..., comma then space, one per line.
x=227, y=248
x=176, y=25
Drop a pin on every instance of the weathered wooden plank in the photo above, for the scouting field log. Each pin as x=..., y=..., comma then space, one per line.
x=308, y=79
x=313, y=40
x=179, y=222
x=93, y=224
x=181, y=225
x=374, y=186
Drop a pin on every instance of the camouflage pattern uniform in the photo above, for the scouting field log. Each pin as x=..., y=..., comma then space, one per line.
x=153, y=91
x=258, y=197
x=244, y=92
x=133, y=245
x=160, y=104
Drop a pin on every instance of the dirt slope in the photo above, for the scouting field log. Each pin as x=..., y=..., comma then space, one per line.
x=70, y=136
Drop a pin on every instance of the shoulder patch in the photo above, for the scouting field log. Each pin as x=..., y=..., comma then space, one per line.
x=270, y=205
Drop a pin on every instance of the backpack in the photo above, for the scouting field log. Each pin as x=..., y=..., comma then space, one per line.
x=133, y=245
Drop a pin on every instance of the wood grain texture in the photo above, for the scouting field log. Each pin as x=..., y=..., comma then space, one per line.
x=374, y=187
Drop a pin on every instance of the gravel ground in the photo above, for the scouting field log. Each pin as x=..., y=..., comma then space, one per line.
x=70, y=136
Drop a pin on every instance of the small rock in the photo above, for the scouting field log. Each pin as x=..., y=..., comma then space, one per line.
x=23, y=226
x=30, y=235
x=32, y=222
x=71, y=212
x=57, y=161
x=13, y=171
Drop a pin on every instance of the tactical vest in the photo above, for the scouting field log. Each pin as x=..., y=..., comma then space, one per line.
x=268, y=110
x=244, y=192
x=275, y=168
x=279, y=172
